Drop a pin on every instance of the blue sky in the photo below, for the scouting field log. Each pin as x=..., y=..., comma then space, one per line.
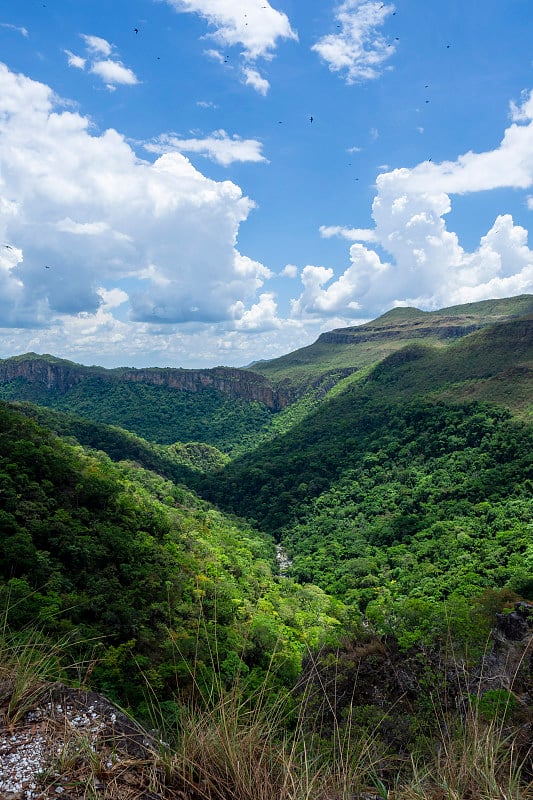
x=201, y=182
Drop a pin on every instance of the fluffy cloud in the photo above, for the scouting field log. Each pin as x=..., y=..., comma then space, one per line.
x=218, y=147
x=113, y=72
x=428, y=267
x=250, y=24
x=110, y=69
x=83, y=217
x=75, y=61
x=262, y=316
x=339, y=297
x=289, y=271
x=254, y=79
x=358, y=51
x=97, y=45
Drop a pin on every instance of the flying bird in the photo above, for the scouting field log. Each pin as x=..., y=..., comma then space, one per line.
x=136, y=30
x=310, y=119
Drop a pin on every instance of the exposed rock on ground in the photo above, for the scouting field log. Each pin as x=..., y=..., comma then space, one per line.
x=74, y=744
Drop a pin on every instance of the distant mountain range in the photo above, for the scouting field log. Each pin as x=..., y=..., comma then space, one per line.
x=474, y=351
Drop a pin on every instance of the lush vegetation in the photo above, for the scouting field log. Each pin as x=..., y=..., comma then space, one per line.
x=414, y=505
x=117, y=555
x=177, y=462
x=156, y=413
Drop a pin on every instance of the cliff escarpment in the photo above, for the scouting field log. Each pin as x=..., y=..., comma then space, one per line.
x=60, y=375
x=446, y=324
x=417, y=330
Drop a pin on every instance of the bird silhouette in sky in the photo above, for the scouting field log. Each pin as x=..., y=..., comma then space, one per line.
x=136, y=30
x=310, y=119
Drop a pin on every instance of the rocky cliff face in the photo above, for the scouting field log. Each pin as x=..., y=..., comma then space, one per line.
x=509, y=663
x=61, y=376
x=445, y=329
x=53, y=375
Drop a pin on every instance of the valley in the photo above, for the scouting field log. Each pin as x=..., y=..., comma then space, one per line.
x=367, y=500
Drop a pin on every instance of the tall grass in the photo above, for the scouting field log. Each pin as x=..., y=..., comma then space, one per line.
x=240, y=743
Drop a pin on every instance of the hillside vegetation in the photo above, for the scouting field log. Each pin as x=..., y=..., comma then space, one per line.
x=110, y=554
x=234, y=410
x=158, y=413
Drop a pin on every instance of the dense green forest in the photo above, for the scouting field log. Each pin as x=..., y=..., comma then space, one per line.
x=110, y=553
x=155, y=413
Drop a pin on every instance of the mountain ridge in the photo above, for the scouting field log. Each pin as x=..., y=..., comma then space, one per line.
x=480, y=351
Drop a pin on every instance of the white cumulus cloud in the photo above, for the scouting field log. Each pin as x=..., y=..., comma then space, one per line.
x=101, y=61
x=262, y=316
x=83, y=215
x=75, y=61
x=426, y=264
x=289, y=271
x=254, y=79
x=96, y=44
x=252, y=25
x=358, y=50
x=113, y=72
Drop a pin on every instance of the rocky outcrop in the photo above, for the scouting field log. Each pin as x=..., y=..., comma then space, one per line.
x=74, y=744
x=509, y=663
x=446, y=329
x=236, y=383
x=58, y=375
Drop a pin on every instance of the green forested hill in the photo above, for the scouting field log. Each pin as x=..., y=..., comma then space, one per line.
x=364, y=345
x=235, y=409
x=408, y=479
x=178, y=461
x=110, y=554
x=396, y=488
x=158, y=413
x=270, y=483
